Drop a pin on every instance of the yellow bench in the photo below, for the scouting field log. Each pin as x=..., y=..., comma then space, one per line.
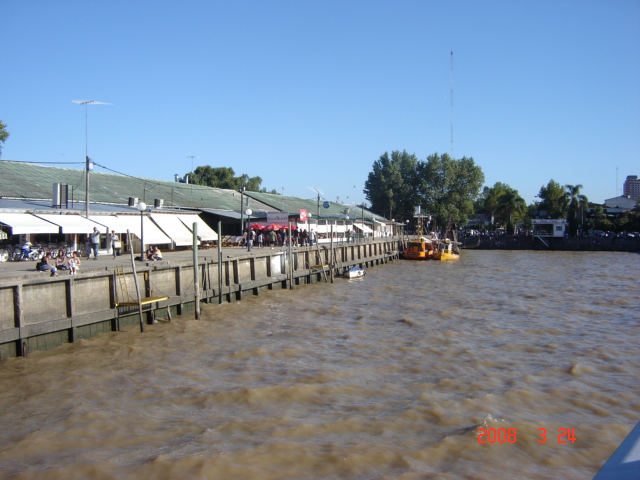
x=143, y=301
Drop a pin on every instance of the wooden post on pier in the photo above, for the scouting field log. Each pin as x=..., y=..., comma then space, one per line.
x=135, y=279
x=290, y=260
x=220, y=261
x=196, y=279
x=331, y=257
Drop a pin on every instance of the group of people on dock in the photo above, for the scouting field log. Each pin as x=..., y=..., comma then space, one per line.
x=60, y=262
x=273, y=238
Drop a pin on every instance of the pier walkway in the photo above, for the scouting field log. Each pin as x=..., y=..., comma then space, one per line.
x=105, y=261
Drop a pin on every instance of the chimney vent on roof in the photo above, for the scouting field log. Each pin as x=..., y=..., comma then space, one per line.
x=60, y=195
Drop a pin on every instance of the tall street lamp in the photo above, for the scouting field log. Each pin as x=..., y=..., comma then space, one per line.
x=142, y=207
x=242, y=210
x=89, y=165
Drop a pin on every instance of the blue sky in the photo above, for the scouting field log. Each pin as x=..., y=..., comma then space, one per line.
x=310, y=93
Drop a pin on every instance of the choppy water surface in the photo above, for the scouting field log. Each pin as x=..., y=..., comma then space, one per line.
x=386, y=377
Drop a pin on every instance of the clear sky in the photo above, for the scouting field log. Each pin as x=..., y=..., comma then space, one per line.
x=308, y=93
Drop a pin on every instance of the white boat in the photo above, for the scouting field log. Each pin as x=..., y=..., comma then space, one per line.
x=355, y=272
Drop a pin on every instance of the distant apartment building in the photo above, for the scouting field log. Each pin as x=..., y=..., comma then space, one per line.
x=631, y=187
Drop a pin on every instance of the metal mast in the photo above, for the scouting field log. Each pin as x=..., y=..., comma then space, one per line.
x=451, y=104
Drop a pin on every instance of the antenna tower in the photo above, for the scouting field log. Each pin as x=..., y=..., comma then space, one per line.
x=451, y=104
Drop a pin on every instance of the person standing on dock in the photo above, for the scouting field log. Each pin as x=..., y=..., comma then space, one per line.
x=250, y=237
x=95, y=242
x=114, y=246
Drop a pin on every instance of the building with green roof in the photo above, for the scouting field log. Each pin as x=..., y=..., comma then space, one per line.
x=28, y=187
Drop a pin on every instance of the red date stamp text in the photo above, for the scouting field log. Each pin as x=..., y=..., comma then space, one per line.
x=510, y=435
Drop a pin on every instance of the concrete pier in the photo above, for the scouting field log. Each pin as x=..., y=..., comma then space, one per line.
x=39, y=312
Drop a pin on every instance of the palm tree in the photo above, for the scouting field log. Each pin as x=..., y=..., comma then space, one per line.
x=510, y=205
x=576, y=202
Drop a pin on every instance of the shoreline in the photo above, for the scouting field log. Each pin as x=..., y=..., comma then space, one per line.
x=521, y=242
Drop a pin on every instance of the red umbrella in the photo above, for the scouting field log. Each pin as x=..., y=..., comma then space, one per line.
x=258, y=226
x=274, y=227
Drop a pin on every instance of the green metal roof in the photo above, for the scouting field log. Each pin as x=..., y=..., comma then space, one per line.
x=293, y=205
x=30, y=181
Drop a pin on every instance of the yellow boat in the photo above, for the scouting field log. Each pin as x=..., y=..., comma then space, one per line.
x=446, y=251
x=420, y=249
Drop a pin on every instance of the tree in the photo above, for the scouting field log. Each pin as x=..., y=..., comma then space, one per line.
x=554, y=201
x=488, y=201
x=511, y=208
x=445, y=188
x=576, y=202
x=503, y=205
x=449, y=187
x=224, y=177
x=4, y=134
x=391, y=186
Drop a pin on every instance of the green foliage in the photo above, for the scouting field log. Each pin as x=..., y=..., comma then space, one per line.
x=4, y=134
x=444, y=187
x=224, y=177
x=449, y=187
x=577, y=203
x=391, y=186
x=626, y=222
x=503, y=205
x=554, y=200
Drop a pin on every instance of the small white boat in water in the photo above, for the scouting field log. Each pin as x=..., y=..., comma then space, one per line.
x=355, y=272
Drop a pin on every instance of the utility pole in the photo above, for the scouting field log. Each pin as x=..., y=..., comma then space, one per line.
x=89, y=165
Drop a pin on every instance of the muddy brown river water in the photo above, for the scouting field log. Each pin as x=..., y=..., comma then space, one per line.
x=388, y=377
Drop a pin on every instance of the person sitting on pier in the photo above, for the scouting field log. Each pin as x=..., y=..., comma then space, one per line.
x=74, y=263
x=61, y=261
x=153, y=253
x=45, y=264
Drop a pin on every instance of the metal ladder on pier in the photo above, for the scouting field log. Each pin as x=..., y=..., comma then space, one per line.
x=125, y=300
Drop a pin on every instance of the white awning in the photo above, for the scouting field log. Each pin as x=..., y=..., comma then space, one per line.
x=22, y=223
x=70, y=223
x=362, y=227
x=205, y=232
x=121, y=223
x=173, y=227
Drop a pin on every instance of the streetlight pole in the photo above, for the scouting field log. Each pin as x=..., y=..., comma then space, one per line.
x=142, y=207
x=88, y=165
x=242, y=210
